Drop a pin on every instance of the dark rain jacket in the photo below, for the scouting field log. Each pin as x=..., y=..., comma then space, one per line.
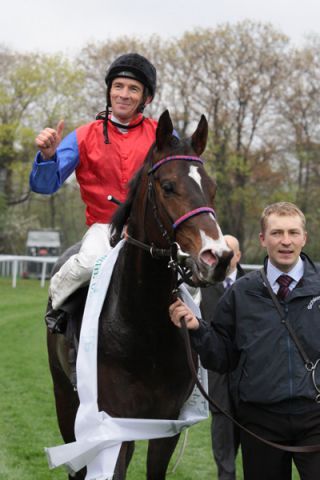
x=247, y=334
x=218, y=383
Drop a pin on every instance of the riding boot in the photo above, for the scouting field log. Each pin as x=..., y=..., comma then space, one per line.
x=56, y=320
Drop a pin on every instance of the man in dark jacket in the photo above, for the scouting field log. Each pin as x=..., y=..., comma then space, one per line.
x=277, y=392
x=224, y=434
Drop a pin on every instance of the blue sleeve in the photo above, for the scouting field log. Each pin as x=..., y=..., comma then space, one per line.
x=47, y=176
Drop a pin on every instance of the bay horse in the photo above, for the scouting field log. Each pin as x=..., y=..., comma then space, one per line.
x=142, y=367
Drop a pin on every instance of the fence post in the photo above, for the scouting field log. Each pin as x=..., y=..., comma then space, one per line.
x=43, y=274
x=14, y=273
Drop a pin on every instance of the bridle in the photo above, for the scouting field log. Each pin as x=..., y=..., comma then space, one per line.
x=174, y=252
x=152, y=199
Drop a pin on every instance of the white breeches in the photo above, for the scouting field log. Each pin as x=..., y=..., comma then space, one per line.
x=77, y=270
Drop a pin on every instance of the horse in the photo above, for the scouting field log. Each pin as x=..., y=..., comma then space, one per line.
x=142, y=368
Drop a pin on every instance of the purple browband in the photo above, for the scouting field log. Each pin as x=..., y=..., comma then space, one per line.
x=192, y=213
x=174, y=157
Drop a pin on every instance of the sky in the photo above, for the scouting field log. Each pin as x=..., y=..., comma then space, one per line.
x=67, y=25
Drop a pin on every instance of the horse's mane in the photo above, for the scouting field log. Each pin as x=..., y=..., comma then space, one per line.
x=122, y=214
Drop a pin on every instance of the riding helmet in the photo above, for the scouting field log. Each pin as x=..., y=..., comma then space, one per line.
x=133, y=65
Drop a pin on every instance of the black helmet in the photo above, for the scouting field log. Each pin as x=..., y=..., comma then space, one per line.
x=133, y=65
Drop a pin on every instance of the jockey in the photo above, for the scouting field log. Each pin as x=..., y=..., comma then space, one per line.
x=104, y=154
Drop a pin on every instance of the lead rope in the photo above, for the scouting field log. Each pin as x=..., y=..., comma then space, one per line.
x=173, y=265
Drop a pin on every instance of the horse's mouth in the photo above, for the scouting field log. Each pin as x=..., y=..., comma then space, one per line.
x=204, y=272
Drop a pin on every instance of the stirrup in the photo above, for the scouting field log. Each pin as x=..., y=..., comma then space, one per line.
x=72, y=360
x=56, y=320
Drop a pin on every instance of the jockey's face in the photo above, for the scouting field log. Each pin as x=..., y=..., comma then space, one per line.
x=126, y=95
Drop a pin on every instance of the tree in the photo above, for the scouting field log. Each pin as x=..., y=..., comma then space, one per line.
x=260, y=96
x=239, y=70
x=35, y=90
x=299, y=107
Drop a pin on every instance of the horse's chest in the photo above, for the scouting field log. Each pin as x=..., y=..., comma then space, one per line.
x=142, y=372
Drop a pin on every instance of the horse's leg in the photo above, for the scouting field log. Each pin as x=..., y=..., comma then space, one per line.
x=66, y=407
x=159, y=454
x=124, y=458
x=79, y=475
x=67, y=404
x=66, y=399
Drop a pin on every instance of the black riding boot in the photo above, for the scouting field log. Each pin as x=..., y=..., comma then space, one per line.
x=56, y=320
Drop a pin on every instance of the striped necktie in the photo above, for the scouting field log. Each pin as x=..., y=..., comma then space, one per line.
x=284, y=282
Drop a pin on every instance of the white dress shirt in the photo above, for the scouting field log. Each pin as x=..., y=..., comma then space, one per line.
x=232, y=276
x=273, y=274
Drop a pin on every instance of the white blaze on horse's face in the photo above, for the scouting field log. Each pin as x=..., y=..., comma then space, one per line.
x=195, y=175
x=211, y=249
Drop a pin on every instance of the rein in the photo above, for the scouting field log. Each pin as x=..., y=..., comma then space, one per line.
x=155, y=252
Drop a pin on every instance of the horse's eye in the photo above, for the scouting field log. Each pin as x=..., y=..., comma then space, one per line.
x=167, y=187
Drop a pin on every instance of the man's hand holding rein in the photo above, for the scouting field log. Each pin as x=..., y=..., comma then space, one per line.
x=178, y=310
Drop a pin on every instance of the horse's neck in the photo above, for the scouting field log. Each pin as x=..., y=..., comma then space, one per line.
x=143, y=276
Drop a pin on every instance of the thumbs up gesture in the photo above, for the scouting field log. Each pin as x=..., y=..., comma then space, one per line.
x=48, y=140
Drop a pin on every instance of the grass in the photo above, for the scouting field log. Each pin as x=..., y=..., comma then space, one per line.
x=27, y=418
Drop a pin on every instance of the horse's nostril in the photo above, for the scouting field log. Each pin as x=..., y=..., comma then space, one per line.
x=208, y=257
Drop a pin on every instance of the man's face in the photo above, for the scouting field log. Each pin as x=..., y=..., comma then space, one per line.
x=126, y=95
x=284, y=238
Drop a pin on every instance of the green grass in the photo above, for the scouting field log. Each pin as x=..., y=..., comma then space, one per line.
x=27, y=418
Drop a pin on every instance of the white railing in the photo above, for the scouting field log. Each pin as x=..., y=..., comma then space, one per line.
x=14, y=265
x=250, y=266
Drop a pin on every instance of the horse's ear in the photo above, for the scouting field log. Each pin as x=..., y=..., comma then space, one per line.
x=164, y=130
x=200, y=136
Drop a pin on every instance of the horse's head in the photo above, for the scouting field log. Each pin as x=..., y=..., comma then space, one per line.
x=171, y=203
x=184, y=197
